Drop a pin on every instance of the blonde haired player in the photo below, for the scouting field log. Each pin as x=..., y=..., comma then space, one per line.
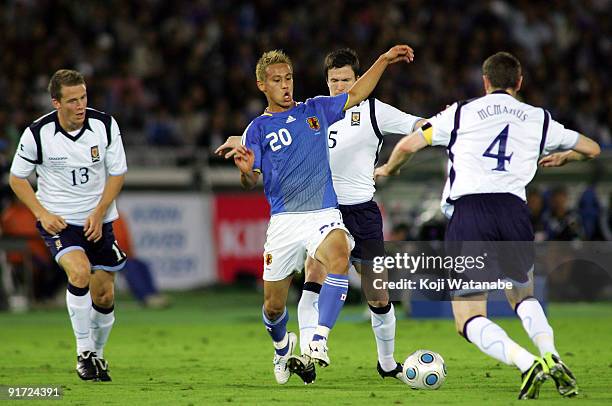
x=287, y=144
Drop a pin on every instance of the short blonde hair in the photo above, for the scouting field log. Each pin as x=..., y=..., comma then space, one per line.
x=270, y=58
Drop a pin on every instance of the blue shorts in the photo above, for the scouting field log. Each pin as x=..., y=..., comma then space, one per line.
x=103, y=255
x=495, y=223
x=364, y=222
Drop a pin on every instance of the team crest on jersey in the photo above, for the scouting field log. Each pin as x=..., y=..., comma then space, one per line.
x=355, y=118
x=313, y=122
x=95, y=154
x=268, y=259
x=58, y=244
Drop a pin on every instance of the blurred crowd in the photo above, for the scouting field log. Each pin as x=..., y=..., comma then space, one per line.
x=182, y=73
x=557, y=214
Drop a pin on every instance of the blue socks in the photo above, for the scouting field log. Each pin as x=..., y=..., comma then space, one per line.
x=331, y=299
x=278, y=331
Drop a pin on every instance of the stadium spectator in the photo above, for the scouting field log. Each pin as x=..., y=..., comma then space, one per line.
x=143, y=57
x=562, y=223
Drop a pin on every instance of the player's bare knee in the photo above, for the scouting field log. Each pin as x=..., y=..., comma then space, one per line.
x=104, y=299
x=339, y=264
x=79, y=277
x=378, y=303
x=274, y=309
x=315, y=271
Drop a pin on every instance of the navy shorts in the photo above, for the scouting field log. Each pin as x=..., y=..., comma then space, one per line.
x=103, y=255
x=495, y=223
x=364, y=222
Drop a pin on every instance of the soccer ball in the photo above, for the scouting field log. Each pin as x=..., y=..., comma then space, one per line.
x=424, y=369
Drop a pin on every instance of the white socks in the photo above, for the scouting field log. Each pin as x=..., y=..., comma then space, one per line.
x=493, y=341
x=78, y=309
x=383, y=326
x=91, y=324
x=102, y=321
x=308, y=317
x=536, y=325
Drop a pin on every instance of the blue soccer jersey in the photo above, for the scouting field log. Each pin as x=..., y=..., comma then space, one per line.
x=291, y=152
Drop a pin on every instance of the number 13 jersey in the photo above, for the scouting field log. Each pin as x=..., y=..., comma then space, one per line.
x=71, y=167
x=493, y=144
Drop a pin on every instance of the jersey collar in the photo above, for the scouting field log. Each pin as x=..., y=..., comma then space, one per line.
x=280, y=113
x=501, y=92
x=58, y=127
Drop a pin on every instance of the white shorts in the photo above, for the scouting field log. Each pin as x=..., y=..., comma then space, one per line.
x=292, y=236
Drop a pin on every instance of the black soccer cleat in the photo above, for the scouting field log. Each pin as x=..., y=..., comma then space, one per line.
x=533, y=379
x=85, y=367
x=302, y=366
x=102, y=367
x=397, y=372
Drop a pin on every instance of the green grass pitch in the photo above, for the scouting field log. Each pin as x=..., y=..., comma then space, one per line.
x=211, y=348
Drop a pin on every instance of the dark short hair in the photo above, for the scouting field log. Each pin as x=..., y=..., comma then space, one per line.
x=342, y=57
x=64, y=77
x=502, y=69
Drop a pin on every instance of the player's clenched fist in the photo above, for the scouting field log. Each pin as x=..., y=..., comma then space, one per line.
x=52, y=223
x=399, y=53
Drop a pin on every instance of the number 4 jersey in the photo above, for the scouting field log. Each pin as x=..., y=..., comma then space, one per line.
x=494, y=143
x=291, y=152
x=71, y=167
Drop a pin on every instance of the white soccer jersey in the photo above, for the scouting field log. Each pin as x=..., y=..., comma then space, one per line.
x=71, y=169
x=354, y=143
x=494, y=143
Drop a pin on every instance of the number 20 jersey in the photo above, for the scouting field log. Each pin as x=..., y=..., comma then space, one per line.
x=72, y=167
x=291, y=152
x=494, y=143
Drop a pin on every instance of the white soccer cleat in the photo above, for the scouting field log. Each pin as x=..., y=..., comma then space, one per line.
x=318, y=352
x=281, y=372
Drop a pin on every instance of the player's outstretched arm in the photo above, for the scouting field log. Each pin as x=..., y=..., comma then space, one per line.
x=231, y=147
x=403, y=152
x=52, y=223
x=366, y=83
x=584, y=150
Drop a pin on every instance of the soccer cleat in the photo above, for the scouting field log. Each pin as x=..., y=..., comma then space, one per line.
x=397, y=373
x=318, y=352
x=302, y=366
x=533, y=379
x=281, y=372
x=102, y=367
x=561, y=374
x=85, y=367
